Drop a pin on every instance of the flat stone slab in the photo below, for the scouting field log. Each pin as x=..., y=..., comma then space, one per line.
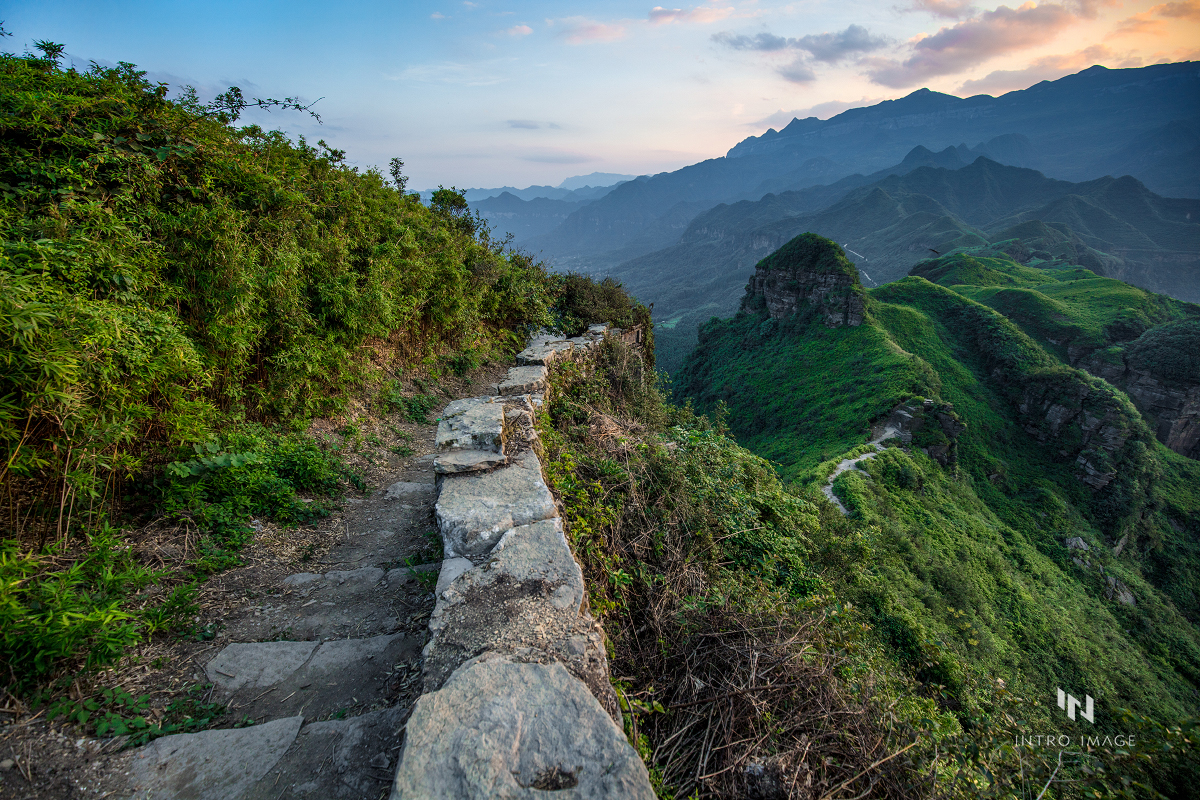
x=338, y=675
x=524, y=380
x=339, y=759
x=409, y=491
x=476, y=423
x=357, y=581
x=257, y=664
x=473, y=511
x=525, y=601
x=506, y=730
x=457, y=461
x=210, y=765
x=543, y=352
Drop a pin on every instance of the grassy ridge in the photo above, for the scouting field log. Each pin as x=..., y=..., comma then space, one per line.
x=971, y=576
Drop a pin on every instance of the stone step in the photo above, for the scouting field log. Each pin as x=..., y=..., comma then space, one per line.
x=501, y=729
x=210, y=765
x=338, y=758
x=523, y=380
x=476, y=423
x=267, y=680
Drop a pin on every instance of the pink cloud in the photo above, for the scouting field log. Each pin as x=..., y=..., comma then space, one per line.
x=953, y=9
x=1186, y=10
x=519, y=30
x=580, y=30
x=662, y=16
x=972, y=42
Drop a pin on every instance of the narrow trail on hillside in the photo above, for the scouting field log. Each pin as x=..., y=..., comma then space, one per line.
x=317, y=658
x=888, y=433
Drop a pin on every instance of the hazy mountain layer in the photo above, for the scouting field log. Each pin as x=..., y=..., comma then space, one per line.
x=1131, y=121
x=1115, y=227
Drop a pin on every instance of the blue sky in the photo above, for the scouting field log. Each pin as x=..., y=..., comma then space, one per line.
x=493, y=93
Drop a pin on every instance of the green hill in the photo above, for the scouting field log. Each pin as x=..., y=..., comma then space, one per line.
x=1051, y=542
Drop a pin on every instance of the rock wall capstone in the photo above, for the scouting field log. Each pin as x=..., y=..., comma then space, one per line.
x=517, y=698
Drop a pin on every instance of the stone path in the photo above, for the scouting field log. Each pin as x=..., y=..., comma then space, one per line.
x=889, y=432
x=517, y=698
x=328, y=666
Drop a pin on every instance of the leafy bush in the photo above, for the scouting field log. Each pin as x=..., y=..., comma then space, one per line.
x=50, y=614
x=163, y=270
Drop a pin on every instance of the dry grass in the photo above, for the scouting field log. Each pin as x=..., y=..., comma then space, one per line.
x=736, y=689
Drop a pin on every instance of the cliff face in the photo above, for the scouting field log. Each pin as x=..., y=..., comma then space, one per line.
x=1160, y=371
x=1088, y=422
x=808, y=269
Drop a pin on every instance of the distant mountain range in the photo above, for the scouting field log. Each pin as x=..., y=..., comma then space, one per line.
x=1143, y=122
x=575, y=188
x=928, y=205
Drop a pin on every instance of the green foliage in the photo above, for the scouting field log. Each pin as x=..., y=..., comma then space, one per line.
x=1069, y=311
x=755, y=366
x=162, y=271
x=115, y=712
x=583, y=301
x=811, y=253
x=1170, y=352
x=50, y=614
x=969, y=578
x=414, y=408
x=251, y=473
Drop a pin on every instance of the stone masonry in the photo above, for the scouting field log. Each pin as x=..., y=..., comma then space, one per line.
x=517, y=698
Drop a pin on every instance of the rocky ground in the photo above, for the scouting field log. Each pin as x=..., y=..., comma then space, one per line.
x=314, y=653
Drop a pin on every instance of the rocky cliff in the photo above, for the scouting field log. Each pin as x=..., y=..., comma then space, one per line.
x=809, y=269
x=1160, y=371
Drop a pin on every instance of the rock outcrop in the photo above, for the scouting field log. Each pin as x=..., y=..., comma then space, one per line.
x=517, y=697
x=808, y=270
x=1160, y=371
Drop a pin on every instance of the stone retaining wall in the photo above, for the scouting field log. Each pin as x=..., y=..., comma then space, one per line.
x=517, y=696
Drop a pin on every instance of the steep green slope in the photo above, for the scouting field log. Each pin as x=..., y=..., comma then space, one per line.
x=979, y=567
x=1071, y=311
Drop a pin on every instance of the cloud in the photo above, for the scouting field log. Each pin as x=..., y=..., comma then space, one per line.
x=662, y=16
x=527, y=124
x=580, y=30
x=519, y=30
x=833, y=47
x=972, y=42
x=952, y=9
x=1142, y=23
x=1146, y=22
x=828, y=47
x=437, y=15
x=1046, y=69
x=797, y=72
x=759, y=41
x=1186, y=10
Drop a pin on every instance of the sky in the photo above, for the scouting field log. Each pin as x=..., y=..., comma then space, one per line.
x=489, y=93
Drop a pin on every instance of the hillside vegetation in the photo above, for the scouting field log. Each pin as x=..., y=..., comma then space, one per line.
x=178, y=297
x=1051, y=544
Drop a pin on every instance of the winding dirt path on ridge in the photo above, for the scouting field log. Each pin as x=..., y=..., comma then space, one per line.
x=889, y=432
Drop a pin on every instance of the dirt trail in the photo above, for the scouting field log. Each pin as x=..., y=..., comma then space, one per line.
x=890, y=432
x=317, y=654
